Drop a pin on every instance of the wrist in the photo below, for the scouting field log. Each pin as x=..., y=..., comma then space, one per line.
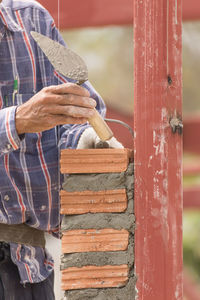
x=20, y=123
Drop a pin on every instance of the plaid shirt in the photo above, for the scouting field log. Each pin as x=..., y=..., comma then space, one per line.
x=29, y=167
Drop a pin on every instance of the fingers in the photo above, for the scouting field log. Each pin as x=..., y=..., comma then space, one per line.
x=71, y=111
x=55, y=105
x=71, y=99
x=113, y=143
x=61, y=120
x=69, y=88
x=68, y=94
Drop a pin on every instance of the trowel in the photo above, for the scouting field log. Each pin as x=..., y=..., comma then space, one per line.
x=68, y=63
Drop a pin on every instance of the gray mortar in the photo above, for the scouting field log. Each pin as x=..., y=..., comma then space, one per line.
x=100, y=182
x=99, y=221
x=125, y=220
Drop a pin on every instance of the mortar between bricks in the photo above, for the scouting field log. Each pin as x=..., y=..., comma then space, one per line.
x=116, y=287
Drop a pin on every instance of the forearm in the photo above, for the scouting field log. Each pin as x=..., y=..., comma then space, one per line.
x=9, y=138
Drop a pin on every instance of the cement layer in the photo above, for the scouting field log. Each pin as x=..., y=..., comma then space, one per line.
x=99, y=221
x=99, y=182
x=127, y=292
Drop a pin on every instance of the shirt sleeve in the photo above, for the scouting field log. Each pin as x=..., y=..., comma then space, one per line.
x=70, y=134
x=10, y=140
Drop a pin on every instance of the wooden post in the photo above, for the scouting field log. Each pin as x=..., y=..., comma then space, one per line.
x=158, y=149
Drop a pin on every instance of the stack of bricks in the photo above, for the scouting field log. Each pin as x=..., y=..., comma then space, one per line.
x=98, y=224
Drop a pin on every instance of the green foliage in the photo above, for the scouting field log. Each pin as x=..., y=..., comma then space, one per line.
x=191, y=224
x=191, y=241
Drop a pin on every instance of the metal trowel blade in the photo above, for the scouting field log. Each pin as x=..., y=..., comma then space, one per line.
x=63, y=59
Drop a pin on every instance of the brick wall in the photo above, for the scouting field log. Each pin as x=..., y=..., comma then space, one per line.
x=98, y=224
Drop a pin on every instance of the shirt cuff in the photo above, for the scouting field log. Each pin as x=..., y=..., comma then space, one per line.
x=10, y=139
x=70, y=138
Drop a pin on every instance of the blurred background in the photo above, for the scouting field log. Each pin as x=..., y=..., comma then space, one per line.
x=108, y=53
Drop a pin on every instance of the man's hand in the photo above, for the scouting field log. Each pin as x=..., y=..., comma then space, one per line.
x=89, y=140
x=55, y=105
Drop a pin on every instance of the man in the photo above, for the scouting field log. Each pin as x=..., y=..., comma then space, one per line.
x=35, y=102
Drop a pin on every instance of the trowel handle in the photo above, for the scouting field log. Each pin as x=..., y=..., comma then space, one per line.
x=101, y=128
x=99, y=125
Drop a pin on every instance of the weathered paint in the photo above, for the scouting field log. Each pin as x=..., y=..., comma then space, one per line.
x=76, y=13
x=158, y=149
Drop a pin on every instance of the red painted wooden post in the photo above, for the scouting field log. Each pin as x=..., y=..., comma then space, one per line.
x=158, y=151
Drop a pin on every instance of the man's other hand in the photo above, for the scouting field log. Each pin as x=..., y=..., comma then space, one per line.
x=89, y=140
x=55, y=105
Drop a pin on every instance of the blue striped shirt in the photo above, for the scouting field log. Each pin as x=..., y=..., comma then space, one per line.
x=29, y=167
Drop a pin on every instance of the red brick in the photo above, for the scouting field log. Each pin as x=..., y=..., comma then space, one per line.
x=94, y=277
x=75, y=203
x=92, y=240
x=95, y=160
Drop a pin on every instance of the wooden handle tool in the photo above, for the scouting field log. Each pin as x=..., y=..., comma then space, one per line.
x=100, y=126
x=71, y=65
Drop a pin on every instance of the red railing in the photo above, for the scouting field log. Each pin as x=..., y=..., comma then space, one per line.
x=77, y=13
